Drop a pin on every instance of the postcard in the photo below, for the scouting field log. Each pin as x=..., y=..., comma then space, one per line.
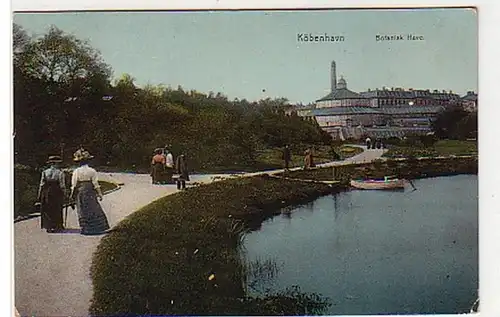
x=246, y=162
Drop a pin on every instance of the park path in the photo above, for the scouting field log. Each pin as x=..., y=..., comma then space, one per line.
x=52, y=270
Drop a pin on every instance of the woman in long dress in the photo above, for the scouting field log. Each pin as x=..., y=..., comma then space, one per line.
x=51, y=194
x=86, y=192
x=158, y=167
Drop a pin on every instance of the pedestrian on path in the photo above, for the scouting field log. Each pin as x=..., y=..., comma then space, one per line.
x=157, y=166
x=368, y=143
x=169, y=164
x=307, y=159
x=51, y=195
x=287, y=157
x=86, y=194
x=311, y=151
x=182, y=170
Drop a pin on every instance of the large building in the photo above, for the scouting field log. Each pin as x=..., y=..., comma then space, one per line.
x=469, y=101
x=383, y=113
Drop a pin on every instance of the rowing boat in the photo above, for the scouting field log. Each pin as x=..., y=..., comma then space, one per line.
x=378, y=184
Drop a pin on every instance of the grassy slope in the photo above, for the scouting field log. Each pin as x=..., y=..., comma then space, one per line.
x=159, y=259
x=441, y=148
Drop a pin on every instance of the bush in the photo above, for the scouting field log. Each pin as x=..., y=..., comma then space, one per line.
x=26, y=181
x=179, y=255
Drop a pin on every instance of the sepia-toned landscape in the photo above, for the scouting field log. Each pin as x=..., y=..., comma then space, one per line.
x=246, y=162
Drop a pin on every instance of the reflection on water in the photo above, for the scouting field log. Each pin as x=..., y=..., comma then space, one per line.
x=377, y=252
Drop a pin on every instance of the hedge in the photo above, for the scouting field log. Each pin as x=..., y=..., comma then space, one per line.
x=180, y=254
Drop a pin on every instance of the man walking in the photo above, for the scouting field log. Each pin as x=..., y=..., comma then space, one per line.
x=287, y=157
x=182, y=170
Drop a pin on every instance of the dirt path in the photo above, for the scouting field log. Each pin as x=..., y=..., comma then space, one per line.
x=52, y=270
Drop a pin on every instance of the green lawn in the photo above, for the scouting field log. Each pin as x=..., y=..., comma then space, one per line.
x=440, y=148
x=272, y=158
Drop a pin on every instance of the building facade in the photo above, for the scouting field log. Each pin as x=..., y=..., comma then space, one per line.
x=394, y=112
x=410, y=97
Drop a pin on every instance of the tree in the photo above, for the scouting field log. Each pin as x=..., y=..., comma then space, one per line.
x=62, y=58
x=447, y=124
x=58, y=79
x=20, y=40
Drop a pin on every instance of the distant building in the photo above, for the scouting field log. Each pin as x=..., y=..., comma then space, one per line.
x=342, y=97
x=469, y=101
x=380, y=113
x=394, y=121
x=414, y=97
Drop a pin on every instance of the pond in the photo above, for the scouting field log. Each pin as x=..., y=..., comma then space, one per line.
x=376, y=252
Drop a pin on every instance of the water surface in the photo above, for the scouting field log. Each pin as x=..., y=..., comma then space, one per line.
x=378, y=252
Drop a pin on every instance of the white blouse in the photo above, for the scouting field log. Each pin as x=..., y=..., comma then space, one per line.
x=169, y=160
x=82, y=174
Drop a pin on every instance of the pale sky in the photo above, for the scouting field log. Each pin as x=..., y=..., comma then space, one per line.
x=240, y=54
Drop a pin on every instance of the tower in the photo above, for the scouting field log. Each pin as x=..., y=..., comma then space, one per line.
x=342, y=84
x=334, y=76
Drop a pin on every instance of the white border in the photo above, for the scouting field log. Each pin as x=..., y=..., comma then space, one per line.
x=6, y=157
x=488, y=56
x=27, y=5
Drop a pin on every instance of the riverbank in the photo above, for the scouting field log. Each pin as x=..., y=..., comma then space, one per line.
x=185, y=247
x=180, y=254
x=402, y=167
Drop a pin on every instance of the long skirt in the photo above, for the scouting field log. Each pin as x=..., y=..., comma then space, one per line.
x=169, y=172
x=91, y=216
x=52, y=200
x=157, y=173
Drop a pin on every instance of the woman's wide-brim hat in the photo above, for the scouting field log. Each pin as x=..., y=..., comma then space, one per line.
x=82, y=155
x=54, y=159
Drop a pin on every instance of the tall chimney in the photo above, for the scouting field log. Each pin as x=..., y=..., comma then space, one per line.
x=334, y=76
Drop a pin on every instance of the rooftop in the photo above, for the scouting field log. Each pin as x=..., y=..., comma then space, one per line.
x=395, y=132
x=342, y=93
x=472, y=96
x=411, y=109
x=332, y=111
x=409, y=94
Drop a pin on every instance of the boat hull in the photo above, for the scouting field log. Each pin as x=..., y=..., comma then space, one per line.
x=379, y=184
